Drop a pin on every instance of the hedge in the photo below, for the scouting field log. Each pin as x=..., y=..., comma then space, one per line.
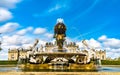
x=110, y=62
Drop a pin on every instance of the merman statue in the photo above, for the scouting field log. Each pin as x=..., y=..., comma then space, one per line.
x=60, y=33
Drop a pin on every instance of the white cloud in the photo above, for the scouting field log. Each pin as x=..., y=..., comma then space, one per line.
x=8, y=27
x=5, y=5
x=102, y=38
x=19, y=40
x=68, y=39
x=9, y=3
x=113, y=53
x=16, y=40
x=24, y=31
x=39, y=30
x=30, y=28
x=5, y=14
x=49, y=35
x=112, y=43
x=94, y=43
x=21, y=32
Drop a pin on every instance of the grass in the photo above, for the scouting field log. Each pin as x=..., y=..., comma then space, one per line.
x=110, y=62
x=104, y=62
x=6, y=62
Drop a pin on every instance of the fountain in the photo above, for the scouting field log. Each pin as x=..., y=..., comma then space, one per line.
x=58, y=56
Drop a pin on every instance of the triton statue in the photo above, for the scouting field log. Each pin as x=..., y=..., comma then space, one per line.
x=60, y=34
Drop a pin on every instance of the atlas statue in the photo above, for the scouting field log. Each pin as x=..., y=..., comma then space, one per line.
x=60, y=34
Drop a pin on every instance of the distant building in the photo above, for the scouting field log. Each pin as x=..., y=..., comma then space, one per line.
x=14, y=54
x=101, y=54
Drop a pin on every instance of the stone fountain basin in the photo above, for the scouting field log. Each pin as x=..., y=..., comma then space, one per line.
x=60, y=54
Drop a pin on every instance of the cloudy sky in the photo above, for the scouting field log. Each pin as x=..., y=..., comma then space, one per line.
x=97, y=21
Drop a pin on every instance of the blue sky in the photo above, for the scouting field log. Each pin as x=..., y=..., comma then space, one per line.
x=94, y=20
x=80, y=16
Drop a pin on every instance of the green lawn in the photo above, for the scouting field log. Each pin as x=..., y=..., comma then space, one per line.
x=110, y=62
x=104, y=62
x=5, y=62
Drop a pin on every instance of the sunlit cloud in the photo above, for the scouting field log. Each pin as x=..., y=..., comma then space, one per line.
x=9, y=27
x=5, y=5
x=5, y=14
x=39, y=30
x=24, y=31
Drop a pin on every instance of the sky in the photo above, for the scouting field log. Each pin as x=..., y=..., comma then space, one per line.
x=97, y=21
